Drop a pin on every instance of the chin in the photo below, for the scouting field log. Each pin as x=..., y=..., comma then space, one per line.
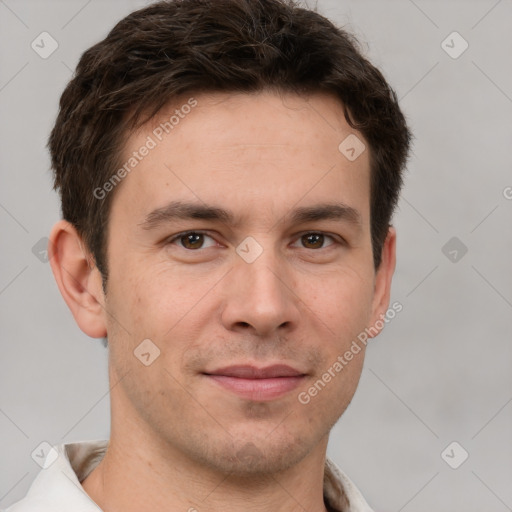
x=259, y=458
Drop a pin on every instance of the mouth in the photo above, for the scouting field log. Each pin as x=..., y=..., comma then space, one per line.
x=258, y=384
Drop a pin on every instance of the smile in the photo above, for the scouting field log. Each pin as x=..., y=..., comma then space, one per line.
x=257, y=384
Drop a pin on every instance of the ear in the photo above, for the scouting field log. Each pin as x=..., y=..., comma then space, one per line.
x=78, y=279
x=383, y=279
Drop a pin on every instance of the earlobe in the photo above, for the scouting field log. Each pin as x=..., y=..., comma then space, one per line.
x=383, y=278
x=78, y=279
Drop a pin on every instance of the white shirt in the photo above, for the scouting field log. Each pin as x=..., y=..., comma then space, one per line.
x=57, y=488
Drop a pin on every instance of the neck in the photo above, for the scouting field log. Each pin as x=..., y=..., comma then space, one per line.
x=137, y=476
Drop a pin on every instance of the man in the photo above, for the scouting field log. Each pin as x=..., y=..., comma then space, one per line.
x=228, y=171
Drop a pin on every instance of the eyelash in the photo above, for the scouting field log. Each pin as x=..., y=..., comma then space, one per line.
x=199, y=232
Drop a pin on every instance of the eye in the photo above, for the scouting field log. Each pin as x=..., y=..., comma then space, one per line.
x=315, y=240
x=191, y=240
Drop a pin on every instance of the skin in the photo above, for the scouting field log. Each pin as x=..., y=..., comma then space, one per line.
x=178, y=440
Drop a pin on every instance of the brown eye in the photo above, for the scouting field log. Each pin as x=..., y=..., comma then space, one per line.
x=192, y=240
x=314, y=240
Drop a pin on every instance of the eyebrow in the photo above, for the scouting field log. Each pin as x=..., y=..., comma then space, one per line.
x=178, y=210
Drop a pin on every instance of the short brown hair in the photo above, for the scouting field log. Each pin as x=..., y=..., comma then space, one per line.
x=189, y=46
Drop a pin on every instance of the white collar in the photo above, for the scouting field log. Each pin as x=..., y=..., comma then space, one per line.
x=57, y=488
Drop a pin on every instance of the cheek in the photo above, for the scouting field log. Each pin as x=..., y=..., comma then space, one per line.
x=341, y=299
x=157, y=301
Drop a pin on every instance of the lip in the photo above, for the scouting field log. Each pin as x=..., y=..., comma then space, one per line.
x=258, y=384
x=247, y=371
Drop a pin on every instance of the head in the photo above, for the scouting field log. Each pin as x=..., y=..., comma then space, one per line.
x=226, y=123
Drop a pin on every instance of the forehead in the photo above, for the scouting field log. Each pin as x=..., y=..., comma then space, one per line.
x=258, y=152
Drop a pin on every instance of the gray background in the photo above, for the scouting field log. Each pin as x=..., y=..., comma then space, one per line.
x=440, y=371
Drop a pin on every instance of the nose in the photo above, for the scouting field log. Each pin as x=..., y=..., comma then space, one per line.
x=260, y=297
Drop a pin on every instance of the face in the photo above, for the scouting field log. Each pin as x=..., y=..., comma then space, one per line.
x=252, y=271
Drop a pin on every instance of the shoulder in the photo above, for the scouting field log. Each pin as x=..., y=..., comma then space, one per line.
x=341, y=492
x=57, y=486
